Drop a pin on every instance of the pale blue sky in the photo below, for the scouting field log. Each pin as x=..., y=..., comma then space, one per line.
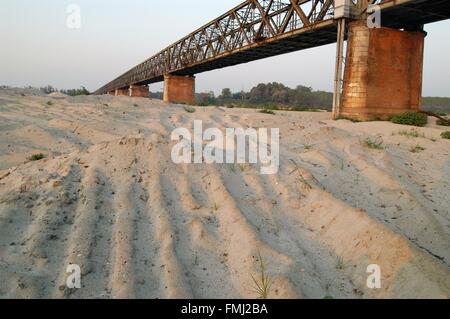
x=36, y=47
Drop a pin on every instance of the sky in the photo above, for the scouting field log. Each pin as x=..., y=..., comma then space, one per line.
x=37, y=48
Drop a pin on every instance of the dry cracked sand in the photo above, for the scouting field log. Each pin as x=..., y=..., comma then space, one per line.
x=109, y=198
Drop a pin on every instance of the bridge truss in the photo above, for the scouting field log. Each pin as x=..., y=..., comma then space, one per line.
x=253, y=30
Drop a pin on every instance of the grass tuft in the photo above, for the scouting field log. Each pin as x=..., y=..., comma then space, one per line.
x=446, y=135
x=36, y=157
x=263, y=282
x=412, y=133
x=341, y=117
x=417, y=149
x=340, y=265
x=442, y=123
x=189, y=109
x=376, y=144
x=267, y=111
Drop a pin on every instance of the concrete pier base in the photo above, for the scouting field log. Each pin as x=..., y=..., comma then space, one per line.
x=139, y=91
x=179, y=89
x=122, y=92
x=383, y=72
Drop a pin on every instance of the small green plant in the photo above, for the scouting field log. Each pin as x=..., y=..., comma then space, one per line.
x=313, y=110
x=277, y=230
x=410, y=118
x=442, y=123
x=412, y=133
x=189, y=109
x=340, y=265
x=308, y=147
x=328, y=297
x=417, y=149
x=49, y=103
x=263, y=282
x=341, y=117
x=135, y=105
x=446, y=135
x=376, y=144
x=216, y=207
x=195, y=259
x=36, y=157
x=267, y=111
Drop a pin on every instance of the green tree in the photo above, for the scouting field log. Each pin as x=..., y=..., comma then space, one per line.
x=226, y=94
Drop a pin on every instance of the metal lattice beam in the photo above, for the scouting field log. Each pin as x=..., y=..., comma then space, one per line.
x=250, y=23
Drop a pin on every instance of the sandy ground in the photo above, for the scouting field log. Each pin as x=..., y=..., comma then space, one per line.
x=109, y=198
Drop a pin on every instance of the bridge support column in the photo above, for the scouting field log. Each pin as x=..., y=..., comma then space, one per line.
x=122, y=92
x=139, y=91
x=179, y=89
x=383, y=72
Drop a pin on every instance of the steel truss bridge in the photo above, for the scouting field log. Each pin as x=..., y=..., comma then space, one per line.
x=257, y=29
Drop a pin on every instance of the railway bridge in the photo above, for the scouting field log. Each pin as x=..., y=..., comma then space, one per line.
x=378, y=73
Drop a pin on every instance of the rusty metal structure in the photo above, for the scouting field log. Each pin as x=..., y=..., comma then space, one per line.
x=258, y=29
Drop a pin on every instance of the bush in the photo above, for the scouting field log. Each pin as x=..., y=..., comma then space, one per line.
x=442, y=123
x=341, y=117
x=410, y=118
x=189, y=109
x=267, y=111
x=36, y=157
x=446, y=135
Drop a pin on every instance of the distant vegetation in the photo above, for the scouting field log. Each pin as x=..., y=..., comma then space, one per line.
x=277, y=96
x=271, y=96
x=440, y=105
x=71, y=92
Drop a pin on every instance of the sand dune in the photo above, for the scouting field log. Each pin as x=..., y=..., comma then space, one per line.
x=109, y=198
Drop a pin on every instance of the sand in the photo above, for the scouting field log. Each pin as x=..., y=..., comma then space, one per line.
x=108, y=198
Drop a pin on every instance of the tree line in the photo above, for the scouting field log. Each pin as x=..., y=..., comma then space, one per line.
x=272, y=96
x=278, y=96
x=71, y=92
